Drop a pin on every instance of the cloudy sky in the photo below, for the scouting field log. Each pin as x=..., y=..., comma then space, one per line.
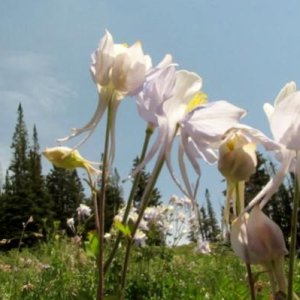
x=245, y=51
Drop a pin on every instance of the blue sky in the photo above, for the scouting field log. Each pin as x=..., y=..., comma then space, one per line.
x=245, y=51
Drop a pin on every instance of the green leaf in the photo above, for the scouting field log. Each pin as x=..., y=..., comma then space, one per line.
x=123, y=228
x=91, y=246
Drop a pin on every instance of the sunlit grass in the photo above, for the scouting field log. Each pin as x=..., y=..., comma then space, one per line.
x=61, y=270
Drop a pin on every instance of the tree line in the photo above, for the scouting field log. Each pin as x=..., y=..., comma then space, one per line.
x=53, y=198
x=49, y=200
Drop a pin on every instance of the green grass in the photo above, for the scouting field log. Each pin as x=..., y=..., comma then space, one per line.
x=61, y=270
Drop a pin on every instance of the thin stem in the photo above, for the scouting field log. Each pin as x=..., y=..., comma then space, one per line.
x=292, y=250
x=250, y=281
x=101, y=208
x=148, y=134
x=239, y=190
x=17, y=258
x=144, y=202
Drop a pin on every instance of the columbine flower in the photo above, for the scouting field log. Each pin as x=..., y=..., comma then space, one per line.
x=258, y=240
x=118, y=71
x=140, y=238
x=83, y=211
x=237, y=157
x=179, y=109
x=67, y=158
x=285, y=126
x=237, y=162
x=71, y=224
x=203, y=248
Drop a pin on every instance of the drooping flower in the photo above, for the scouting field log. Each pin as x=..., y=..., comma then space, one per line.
x=67, y=158
x=256, y=239
x=71, y=224
x=237, y=157
x=118, y=71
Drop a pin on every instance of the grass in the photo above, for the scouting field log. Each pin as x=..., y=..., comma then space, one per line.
x=60, y=269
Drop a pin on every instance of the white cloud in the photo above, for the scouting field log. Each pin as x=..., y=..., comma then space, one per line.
x=30, y=78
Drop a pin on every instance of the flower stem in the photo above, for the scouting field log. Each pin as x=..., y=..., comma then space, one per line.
x=101, y=207
x=144, y=203
x=250, y=281
x=292, y=250
x=148, y=134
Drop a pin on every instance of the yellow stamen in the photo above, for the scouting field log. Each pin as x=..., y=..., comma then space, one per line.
x=199, y=99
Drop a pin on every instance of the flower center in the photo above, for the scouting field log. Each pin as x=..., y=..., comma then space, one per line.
x=199, y=99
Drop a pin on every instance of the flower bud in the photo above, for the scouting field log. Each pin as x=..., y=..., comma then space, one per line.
x=256, y=238
x=237, y=157
x=67, y=158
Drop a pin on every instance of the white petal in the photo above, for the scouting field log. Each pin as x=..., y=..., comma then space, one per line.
x=287, y=90
x=271, y=187
x=285, y=121
x=91, y=125
x=258, y=137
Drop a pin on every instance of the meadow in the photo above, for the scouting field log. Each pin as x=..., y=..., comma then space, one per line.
x=62, y=269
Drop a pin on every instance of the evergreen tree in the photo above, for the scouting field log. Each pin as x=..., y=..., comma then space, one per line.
x=16, y=205
x=42, y=205
x=66, y=193
x=204, y=228
x=212, y=223
x=144, y=177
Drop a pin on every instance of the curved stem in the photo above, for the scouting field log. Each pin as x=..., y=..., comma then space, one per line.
x=293, y=236
x=101, y=208
x=148, y=134
x=144, y=203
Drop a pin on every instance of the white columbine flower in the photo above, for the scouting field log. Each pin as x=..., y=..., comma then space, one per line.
x=118, y=71
x=285, y=126
x=179, y=110
x=71, y=224
x=83, y=211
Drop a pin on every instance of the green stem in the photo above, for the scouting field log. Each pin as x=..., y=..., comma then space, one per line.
x=144, y=202
x=148, y=134
x=101, y=208
x=239, y=206
x=292, y=251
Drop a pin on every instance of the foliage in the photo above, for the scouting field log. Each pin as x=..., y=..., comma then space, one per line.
x=24, y=189
x=26, y=192
x=213, y=229
x=60, y=269
x=66, y=192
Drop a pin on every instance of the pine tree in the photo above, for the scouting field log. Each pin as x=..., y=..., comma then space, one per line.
x=204, y=228
x=144, y=177
x=213, y=227
x=16, y=205
x=42, y=205
x=66, y=193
